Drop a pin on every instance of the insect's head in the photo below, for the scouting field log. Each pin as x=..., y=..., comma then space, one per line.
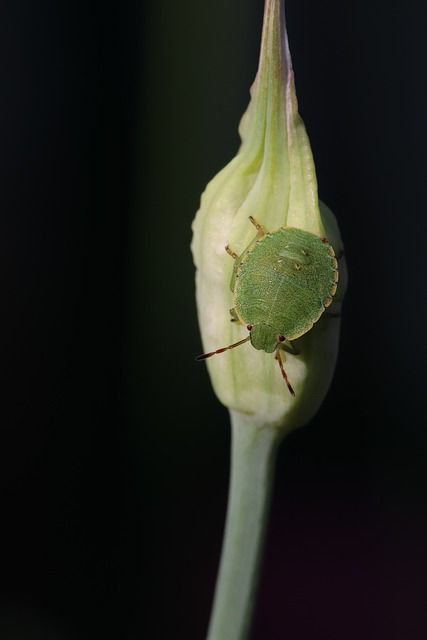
x=264, y=337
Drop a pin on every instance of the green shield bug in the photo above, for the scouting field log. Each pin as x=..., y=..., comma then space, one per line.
x=282, y=283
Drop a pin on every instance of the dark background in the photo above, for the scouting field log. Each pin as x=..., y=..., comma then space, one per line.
x=114, y=449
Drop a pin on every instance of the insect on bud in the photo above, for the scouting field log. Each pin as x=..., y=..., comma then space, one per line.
x=282, y=272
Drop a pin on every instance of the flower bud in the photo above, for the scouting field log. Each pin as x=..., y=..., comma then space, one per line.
x=273, y=179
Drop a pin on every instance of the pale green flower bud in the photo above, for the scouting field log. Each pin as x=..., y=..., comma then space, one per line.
x=272, y=178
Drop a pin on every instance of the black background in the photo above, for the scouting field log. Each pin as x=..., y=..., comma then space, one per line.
x=114, y=449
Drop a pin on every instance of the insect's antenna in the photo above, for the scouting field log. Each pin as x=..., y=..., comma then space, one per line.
x=279, y=360
x=231, y=346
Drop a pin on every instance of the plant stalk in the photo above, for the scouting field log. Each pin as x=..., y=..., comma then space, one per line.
x=253, y=455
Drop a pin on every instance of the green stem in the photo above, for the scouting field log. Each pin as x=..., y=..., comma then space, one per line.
x=253, y=451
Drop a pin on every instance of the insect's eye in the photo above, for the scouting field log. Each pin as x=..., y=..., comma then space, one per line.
x=281, y=338
x=250, y=327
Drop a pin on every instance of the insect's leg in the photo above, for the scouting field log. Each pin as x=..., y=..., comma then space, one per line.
x=234, y=316
x=323, y=322
x=279, y=360
x=231, y=253
x=257, y=226
x=290, y=346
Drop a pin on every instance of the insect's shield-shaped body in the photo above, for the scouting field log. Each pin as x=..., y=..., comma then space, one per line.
x=273, y=179
x=285, y=280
